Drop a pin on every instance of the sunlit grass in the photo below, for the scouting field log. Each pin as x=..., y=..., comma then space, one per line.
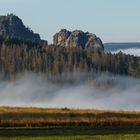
x=64, y=117
x=101, y=137
x=21, y=123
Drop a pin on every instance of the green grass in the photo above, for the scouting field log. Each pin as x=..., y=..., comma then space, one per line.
x=71, y=134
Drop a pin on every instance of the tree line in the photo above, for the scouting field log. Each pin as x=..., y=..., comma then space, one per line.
x=20, y=56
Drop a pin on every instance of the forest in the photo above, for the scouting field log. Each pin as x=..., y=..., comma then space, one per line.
x=56, y=62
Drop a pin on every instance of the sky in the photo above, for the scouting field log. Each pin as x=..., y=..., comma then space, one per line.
x=111, y=20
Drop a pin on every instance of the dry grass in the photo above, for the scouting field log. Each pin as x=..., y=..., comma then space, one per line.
x=66, y=118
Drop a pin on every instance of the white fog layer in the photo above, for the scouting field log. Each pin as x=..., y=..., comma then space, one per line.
x=131, y=51
x=104, y=92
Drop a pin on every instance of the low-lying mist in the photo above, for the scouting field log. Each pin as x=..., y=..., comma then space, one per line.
x=131, y=51
x=103, y=92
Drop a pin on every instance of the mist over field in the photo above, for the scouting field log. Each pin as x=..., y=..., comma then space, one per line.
x=131, y=51
x=104, y=92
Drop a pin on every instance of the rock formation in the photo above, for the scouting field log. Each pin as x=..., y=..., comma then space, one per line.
x=13, y=27
x=77, y=38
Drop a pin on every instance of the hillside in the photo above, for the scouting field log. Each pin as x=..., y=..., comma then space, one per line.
x=12, y=26
x=71, y=52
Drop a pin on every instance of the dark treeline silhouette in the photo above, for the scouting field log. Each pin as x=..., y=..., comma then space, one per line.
x=20, y=56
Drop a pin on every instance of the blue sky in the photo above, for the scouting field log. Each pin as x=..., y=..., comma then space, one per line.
x=111, y=20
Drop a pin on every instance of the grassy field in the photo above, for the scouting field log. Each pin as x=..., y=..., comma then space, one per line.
x=109, y=137
x=66, y=118
x=70, y=134
x=68, y=124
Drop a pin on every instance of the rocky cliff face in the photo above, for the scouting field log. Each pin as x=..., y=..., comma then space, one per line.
x=77, y=38
x=13, y=26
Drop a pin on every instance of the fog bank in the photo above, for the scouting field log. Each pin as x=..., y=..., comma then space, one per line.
x=104, y=92
x=131, y=51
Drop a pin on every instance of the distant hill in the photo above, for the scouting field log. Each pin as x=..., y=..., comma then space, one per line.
x=13, y=27
x=118, y=46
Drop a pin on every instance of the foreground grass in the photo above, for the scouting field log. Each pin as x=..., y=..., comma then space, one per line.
x=70, y=134
x=65, y=118
x=110, y=137
x=18, y=123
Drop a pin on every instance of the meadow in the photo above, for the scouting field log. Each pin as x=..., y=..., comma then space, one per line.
x=68, y=124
